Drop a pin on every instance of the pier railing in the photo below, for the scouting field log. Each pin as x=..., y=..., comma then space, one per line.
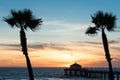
x=90, y=73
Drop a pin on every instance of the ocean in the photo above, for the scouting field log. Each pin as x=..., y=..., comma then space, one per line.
x=14, y=73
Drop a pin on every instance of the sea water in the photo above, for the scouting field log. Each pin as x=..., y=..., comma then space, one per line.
x=14, y=73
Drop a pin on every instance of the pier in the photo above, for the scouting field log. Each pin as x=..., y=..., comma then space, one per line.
x=77, y=70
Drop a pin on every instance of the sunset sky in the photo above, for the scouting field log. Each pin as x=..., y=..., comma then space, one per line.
x=61, y=40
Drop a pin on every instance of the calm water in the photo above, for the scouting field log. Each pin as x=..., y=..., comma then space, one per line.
x=39, y=73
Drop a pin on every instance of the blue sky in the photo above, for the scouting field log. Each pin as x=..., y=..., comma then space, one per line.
x=64, y=21
x=66, y=12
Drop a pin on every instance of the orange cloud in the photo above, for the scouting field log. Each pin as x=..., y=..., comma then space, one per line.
x=88, y=54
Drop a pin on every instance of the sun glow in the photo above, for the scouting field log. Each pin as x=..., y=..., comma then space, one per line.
x=57, y=55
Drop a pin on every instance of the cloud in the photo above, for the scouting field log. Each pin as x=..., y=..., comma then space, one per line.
x=117, y=48
x=100, y=43
x=5, y=60
x=77, y=47
x=73, y=46
x=14, y=47
x=48, y=45
x=34, y=47
x=91, y=52
x=66, y=26
x=113, y=42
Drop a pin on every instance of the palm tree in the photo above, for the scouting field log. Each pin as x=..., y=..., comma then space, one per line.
x=24, y=19
x=104, y=21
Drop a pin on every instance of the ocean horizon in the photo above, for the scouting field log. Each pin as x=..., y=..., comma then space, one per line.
x=40, y=73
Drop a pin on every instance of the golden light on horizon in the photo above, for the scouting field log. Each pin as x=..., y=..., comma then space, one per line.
x=53, y=56
x=56, y=58
x=42, y=58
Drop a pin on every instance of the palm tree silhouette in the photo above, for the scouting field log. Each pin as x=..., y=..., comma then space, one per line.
x=24, y=19
x=103, y=21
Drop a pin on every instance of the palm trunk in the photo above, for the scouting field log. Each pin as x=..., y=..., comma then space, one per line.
x=107, y=54
x=29, y=67
x=24, y=49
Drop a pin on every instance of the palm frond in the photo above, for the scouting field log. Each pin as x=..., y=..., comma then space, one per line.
x=104, y=20
x=17, y=15
x=98, y=19
x=110, y=22
x=27, y=14
x=91, y=31
x=23, y=19
x=33, y=24
x=10, y=20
